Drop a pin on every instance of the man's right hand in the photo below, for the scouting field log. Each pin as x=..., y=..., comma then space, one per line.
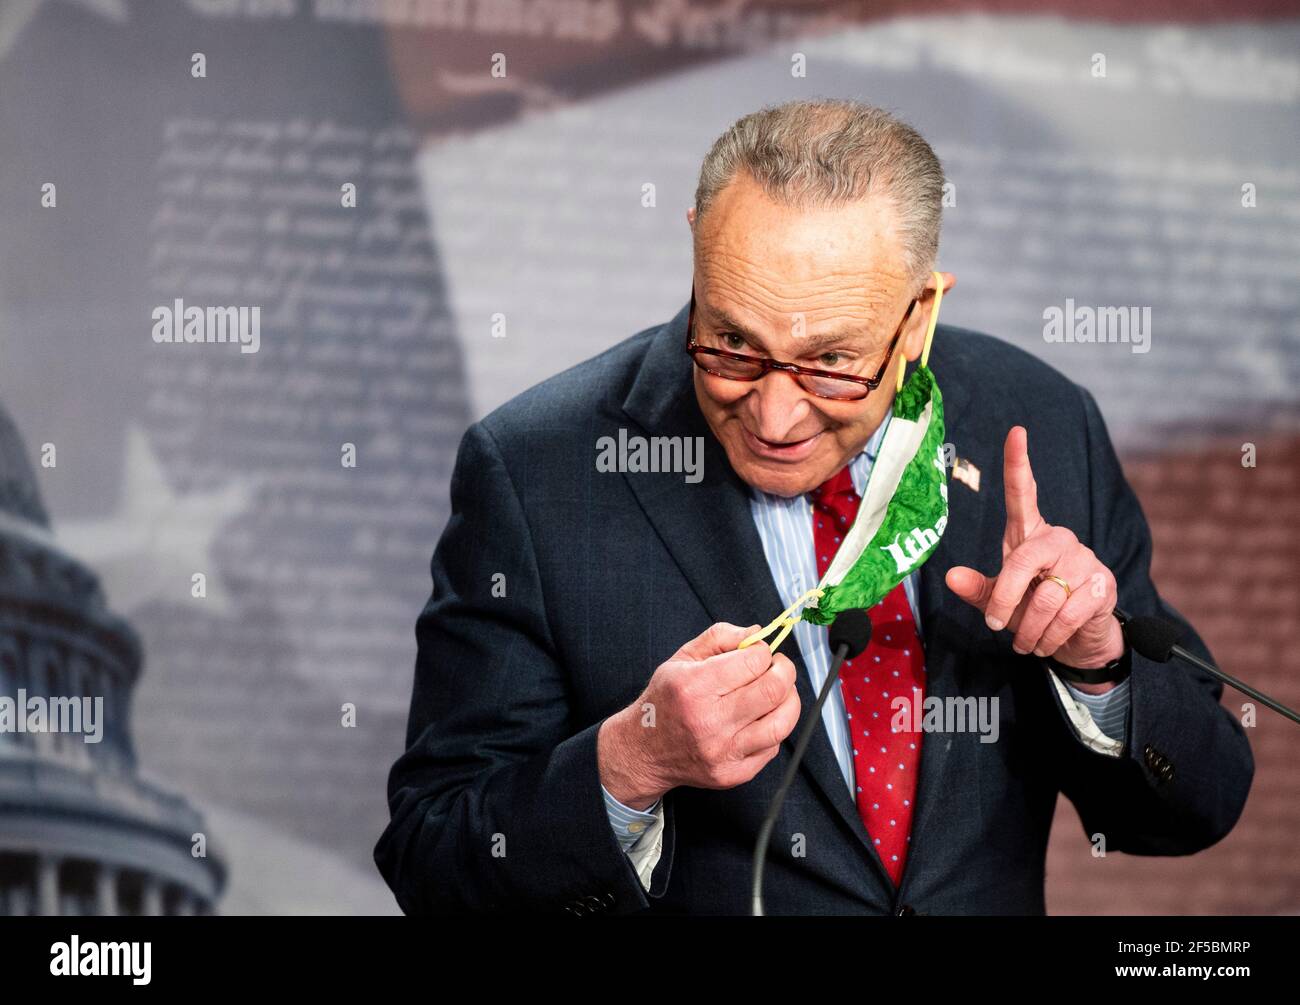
x=711, y=717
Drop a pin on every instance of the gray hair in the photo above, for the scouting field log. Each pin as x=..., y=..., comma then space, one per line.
x=830, y=151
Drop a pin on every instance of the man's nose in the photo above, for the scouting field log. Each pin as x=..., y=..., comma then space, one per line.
x=780, y=404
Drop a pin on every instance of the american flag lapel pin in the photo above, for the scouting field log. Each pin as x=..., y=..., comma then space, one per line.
x=966, y=472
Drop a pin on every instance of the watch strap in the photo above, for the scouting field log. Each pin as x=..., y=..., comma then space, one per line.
x=1112, y=673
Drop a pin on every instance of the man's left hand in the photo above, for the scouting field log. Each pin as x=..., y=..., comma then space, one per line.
x=1074, y=627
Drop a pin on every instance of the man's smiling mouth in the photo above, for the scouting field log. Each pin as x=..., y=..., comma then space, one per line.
x=790, y=450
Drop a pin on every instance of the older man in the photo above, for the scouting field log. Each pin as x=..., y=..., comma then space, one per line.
x=585, y=734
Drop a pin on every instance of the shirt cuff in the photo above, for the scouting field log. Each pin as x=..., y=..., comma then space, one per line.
x=1100, y=721
x=629, y=825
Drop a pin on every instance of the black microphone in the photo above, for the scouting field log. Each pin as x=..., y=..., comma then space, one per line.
x=849, y=636
x=1157, y=640
x=1154, y=638
x=852, y=630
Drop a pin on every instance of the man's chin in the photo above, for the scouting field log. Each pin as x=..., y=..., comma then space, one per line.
x=775, y=478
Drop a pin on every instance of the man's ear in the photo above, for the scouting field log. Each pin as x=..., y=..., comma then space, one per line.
x=914, y=334
x=690, y=218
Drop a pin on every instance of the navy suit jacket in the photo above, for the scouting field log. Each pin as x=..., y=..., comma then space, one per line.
x=558, y=589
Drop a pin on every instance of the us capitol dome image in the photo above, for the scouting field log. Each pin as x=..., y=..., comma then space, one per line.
x=81, y=833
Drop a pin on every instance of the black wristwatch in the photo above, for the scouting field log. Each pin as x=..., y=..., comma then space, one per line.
x=1112, y=673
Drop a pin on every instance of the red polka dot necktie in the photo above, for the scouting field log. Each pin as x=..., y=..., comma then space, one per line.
x=884, y=762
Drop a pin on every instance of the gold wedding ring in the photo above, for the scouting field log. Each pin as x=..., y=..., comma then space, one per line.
x=1060, y=582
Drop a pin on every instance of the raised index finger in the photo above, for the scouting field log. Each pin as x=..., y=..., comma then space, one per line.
x=1021, y=489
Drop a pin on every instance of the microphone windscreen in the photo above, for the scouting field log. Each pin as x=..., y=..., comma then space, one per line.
x=853, y=629
x=1154, y=638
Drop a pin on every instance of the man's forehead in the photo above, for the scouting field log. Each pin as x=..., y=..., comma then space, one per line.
x=834, y=324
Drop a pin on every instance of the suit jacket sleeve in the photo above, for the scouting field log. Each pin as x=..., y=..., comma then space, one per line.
x=1182, y=782
x=496, y=804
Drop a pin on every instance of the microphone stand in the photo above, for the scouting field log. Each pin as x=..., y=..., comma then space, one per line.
x=1209, y=668
x=801, y=745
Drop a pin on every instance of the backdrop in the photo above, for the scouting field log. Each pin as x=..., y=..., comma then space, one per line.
x=436, y=203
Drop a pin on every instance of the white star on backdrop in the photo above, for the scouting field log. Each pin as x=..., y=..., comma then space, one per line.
x=153, y=543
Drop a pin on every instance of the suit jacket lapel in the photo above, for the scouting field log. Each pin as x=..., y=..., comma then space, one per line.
x=966, y=508
x=948, y=624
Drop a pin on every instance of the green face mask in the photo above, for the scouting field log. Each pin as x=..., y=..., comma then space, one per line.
x=905, y=510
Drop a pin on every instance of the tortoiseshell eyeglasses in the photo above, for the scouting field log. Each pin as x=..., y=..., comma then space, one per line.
x=822, y=383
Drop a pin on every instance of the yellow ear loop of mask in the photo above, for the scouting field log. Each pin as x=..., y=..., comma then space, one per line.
x=929, y=332
x=785, y=621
